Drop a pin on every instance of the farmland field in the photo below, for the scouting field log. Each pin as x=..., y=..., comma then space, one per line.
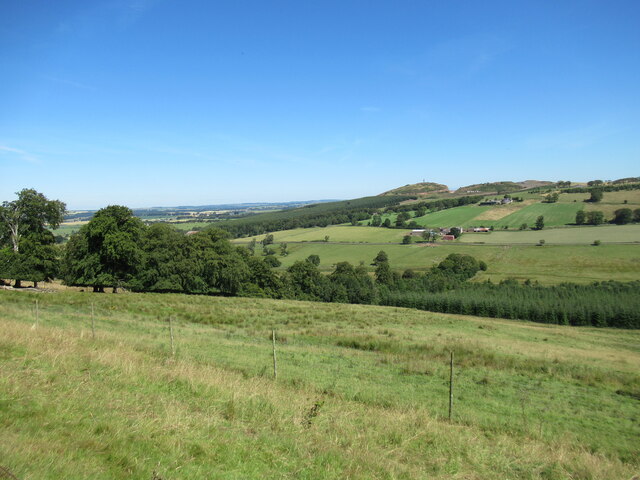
x=570, y=235
x=452, y=217
x=362, y=392
x=554, y=214
x=336, y=233
x=550, y=264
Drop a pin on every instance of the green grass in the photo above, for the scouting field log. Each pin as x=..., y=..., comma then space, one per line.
x=570, y=235
x=554, y=214
x=452, y=217
x=550, y=264
x=361, y=392
x=336, y=233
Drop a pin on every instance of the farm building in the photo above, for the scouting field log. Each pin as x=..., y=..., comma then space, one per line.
x=448, y=237
x=481, y=230
x=417, y=232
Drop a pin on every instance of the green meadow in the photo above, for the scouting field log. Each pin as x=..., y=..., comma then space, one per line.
x=549, y=264
x=570, y=235
x=336, y=233
x=452, y=217
x=361, y=392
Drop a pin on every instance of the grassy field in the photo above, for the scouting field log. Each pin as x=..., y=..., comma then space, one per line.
x=336, y=233
x=554, y=214
x=570, y=235
x=361, y=393
x=550, y=264
x=452, y=217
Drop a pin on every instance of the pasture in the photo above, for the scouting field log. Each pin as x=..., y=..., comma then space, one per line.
x=336, y=233
x=550, y=264
x=361, y=392
x=584, y=235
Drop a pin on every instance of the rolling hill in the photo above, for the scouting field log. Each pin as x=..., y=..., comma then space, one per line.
x=361, y=392
x=502, y=187
x=418, y=189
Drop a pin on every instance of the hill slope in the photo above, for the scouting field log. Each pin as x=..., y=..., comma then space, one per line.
x=418, y=189
x=362, y=392
x=502, y=187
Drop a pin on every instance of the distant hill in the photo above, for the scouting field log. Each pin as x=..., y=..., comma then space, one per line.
x=417, y=189
x=502, y=187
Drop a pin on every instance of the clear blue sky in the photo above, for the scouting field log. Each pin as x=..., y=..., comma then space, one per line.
x=142, y=103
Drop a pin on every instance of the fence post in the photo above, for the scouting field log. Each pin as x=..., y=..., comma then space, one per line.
x=451, y=386
x=275, y=363
x=173, y=351
x=93, y=323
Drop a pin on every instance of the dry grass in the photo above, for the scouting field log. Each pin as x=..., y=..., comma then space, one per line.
x=122, y=407
x=500, y=211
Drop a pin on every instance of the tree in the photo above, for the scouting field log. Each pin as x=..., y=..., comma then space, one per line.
x=380, y=257
x=623, y=216
x=594, y=182
x=406, y=240
x=460, y=265
x=386, y=223
x=106, y=251
x=314, y=259
x=376, y=221
x=24, y=225
x=580, y=217
x=401, y=219
x=421, y=212
x=267, y=240
x=596, y=195
x=252, y=246
x=456, y=232
x=636, y=215
x=283, y=250
x=272, y=261
x=383, y=273
x=524, y=226
x=540, y=223
x=409, y=273
x=306, y=280
x=429, y=235
x=595, y=218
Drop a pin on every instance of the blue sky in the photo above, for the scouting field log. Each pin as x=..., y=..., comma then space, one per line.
x=144, y=103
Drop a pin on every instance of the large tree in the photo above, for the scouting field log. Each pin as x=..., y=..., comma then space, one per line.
x=24, y=232
x=623, y=216
x=106, y=251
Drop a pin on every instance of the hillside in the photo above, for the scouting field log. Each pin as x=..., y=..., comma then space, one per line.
x=502, y=187
x=361, y=392
x=418, y=189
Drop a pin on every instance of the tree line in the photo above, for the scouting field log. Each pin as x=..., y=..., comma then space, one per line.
x=117, y=250
x=605, y=304
x=435, y=205
x=315, y=215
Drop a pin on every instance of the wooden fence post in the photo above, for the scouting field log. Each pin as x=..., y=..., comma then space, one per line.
x=173, y=351
x=451, y=387
x=93, y=323
x=275, y=363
